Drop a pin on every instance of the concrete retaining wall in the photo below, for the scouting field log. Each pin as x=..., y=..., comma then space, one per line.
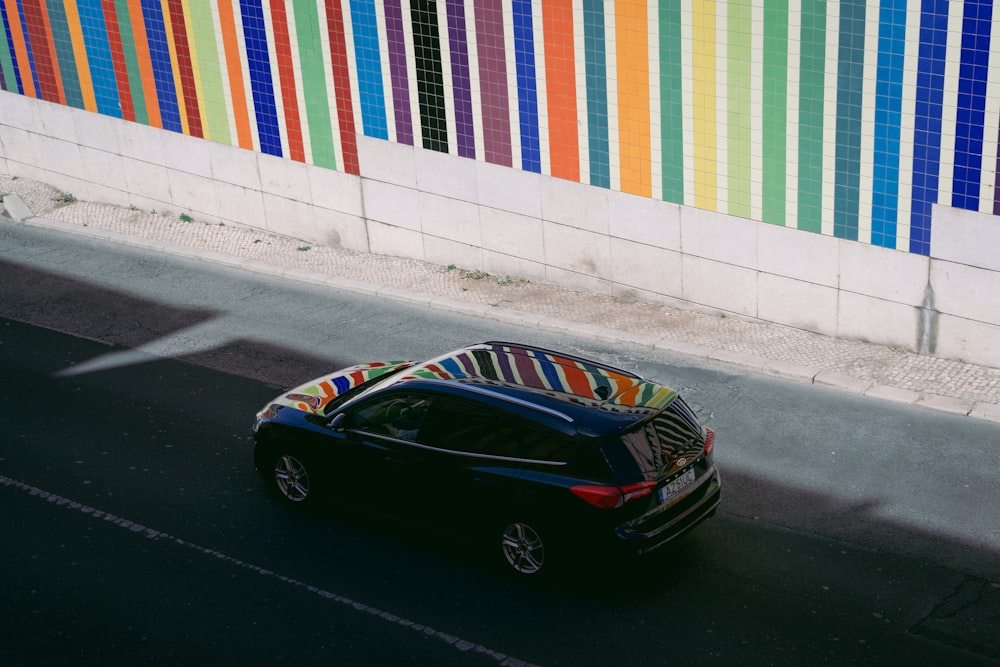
x=448, y=210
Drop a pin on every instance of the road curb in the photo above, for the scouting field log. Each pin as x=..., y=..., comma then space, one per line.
x=20, y=214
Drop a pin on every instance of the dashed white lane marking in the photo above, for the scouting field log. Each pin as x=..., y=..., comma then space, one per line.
x=458, y=643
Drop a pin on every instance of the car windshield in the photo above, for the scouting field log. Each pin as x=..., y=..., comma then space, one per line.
x=354, y=392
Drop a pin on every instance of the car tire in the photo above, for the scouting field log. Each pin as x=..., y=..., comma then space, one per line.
x=525, y=548
x=294, y=478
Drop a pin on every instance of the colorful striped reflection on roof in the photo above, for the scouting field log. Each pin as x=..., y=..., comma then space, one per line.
x=314, y=396
x=547, y=372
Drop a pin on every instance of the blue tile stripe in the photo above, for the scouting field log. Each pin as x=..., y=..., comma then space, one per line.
x=971, y=107
x=927, y=121
x=888, y=114
x=261, y=82
x=159, y=56
x=371, y=93
x=102, y=69
x=527, y=93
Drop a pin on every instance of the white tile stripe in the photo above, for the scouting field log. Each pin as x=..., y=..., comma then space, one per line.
x=722, y=106
x=655, y=104
x=792, y=113
x=580, y=56
x=867, y=167
x=949, y=114
x=830, y=115
x=611, y=65
x=541, y=86
x=687, y=96
x=908, y=104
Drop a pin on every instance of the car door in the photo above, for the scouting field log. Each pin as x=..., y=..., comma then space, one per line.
x=467, y=477
x=382, y=430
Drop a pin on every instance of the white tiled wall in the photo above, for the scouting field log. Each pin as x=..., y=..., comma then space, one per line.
x=448, y=210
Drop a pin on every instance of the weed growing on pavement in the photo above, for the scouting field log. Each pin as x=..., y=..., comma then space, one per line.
x=65, y=198
x=303, y=248
x=507, y=280
x=451, y=267
x=478, y=274
x=184, y=217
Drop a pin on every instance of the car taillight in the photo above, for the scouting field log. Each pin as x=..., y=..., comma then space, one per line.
x=709, y=440
x=609, y=497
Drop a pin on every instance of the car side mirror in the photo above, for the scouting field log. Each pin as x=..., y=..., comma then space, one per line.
x=337, y=423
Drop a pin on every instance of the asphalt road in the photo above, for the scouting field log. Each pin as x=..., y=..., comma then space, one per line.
x=135, y=530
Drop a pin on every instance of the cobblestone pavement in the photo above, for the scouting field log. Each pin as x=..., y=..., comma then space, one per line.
x=854, y=366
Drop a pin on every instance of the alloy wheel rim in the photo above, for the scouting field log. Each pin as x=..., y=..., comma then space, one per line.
x=523, y=548
x=292, y=478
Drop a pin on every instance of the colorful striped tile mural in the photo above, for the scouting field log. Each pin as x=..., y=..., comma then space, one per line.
x=849, y=118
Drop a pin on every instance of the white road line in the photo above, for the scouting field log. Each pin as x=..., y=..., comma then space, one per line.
x=458, y=643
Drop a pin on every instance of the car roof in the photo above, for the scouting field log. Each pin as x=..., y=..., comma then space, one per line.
x=568, y=387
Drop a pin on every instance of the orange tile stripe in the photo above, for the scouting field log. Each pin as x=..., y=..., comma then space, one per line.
x=632, y=37
x=80, y=53
x=238, y=94
x=560, y=77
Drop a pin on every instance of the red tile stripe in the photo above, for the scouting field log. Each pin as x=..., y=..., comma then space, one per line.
x=286, y=79
x=40, y=38
x=185, y=69
x=342, y=85
x=118, y=59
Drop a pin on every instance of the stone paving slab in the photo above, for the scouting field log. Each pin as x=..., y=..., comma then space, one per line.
x=873, y=370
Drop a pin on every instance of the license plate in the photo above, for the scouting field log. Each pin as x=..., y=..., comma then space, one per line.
x=675, y=486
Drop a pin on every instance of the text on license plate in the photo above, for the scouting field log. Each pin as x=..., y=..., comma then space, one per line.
x=674, y=486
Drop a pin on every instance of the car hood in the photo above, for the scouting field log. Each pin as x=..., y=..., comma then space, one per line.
x=313, y=396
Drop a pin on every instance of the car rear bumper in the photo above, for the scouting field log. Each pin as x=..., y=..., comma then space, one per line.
x=643, y=536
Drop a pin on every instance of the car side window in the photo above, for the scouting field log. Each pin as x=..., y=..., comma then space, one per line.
x=397, y=416
x=527, y=441
x=460, y=427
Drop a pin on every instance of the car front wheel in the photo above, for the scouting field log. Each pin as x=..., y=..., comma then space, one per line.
x=291, y=478
x=523, y=548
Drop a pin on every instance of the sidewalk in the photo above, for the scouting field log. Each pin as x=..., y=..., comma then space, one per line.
x=851, y=366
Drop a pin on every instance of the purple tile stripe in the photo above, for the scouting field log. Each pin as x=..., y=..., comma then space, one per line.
x=397, y=71
x=493, y=82
x=461, y=83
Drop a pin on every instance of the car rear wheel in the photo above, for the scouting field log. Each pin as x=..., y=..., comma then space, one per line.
x=523, y=548
x=292, y=480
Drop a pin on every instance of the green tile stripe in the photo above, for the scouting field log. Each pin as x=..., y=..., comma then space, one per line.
x=6, y=62
x=317, y=102
x=131, y=62
x=850, y=101
x=775, y=111
x=64, y=52
x=812, y=85
x=740, y=56
x=214, y=108
x=671, y=102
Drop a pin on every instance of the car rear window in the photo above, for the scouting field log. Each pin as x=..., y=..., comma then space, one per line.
x=655, y=444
